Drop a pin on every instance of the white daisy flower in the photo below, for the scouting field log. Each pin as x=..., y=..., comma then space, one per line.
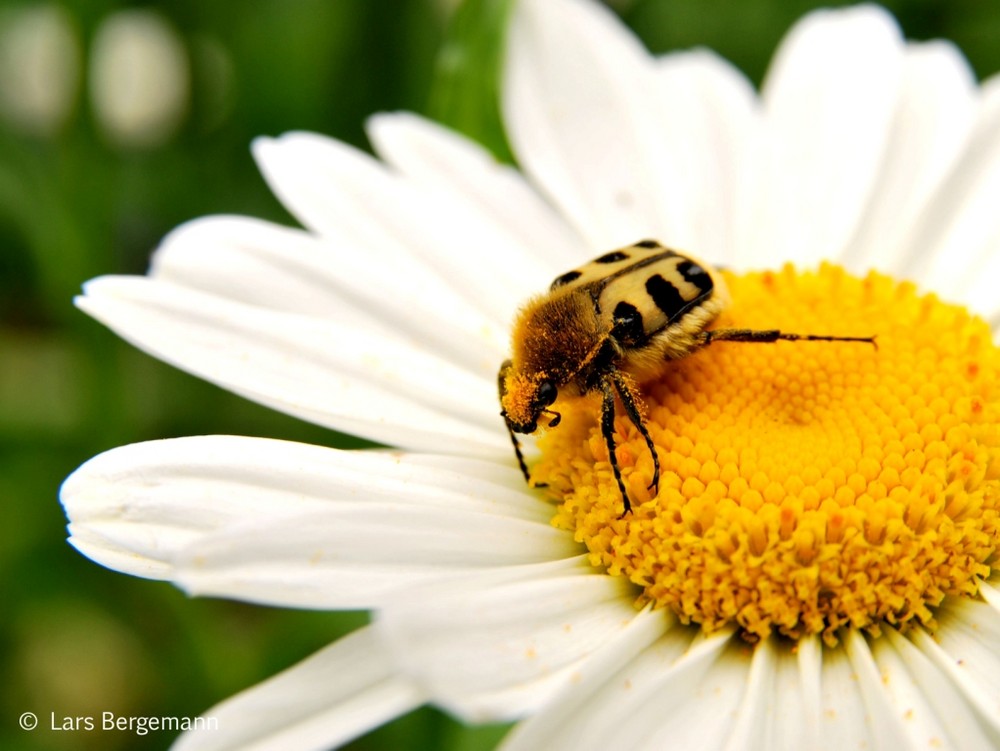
x=815, y=570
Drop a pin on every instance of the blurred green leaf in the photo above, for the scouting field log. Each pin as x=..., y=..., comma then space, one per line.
x=465, y=93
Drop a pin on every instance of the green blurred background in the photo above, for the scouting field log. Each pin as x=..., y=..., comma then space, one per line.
x=83, y=194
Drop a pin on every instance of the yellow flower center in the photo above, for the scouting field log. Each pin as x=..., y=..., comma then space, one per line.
x=805, y=486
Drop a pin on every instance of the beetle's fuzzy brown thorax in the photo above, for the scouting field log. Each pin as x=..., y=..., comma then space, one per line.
x=555, y=336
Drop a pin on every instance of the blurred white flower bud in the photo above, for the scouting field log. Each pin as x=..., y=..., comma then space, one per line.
x=39, y=67
x=139, y=79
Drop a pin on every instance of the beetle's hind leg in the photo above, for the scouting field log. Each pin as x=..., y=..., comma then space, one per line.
x=768, y=336
x=631, y=404
x=608, y=431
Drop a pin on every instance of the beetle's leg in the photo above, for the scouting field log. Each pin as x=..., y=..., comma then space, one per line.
x=773, y=335
x=631, y=403
x=608, y=431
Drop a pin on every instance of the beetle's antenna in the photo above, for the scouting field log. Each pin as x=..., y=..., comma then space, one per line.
x=517, y=449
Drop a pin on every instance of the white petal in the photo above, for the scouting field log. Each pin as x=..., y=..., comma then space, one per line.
x=287, y=523
x=361, y=554
x=843, y=712
x=555, y=726
x=324, y=701
x=927, y=701
x=340, y=192
x=681, y=692
x=700, y=695
x=581, y=119
x=780, y=708
x=829, y=99
x=532, y=234
x=133, y=508
x=982, y=294
x=699, y=701
x=884, y=723
x=316, y=369
x=989, y=591
x=712, y=112
x=494, y=647
x=290, y=270
x=932, y=119
x=810, y=686
x=959, y=229
x=964, y=649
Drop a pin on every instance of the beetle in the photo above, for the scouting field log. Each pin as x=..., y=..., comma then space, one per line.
x=609, y=325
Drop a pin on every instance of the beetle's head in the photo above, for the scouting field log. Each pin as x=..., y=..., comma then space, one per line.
x=525, y=397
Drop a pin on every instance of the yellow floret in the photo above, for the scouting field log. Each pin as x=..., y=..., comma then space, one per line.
x=805, y=486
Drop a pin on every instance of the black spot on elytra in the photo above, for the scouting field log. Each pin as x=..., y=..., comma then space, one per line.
x=628, y=329
x=695, y=274
x=666, y=296
x=613, y=257
x=650, y=244
x=569, y=276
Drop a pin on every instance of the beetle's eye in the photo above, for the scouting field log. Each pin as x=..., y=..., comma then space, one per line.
x=546, y=393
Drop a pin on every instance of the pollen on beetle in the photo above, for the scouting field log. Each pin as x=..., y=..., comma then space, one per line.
x=805, y=486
